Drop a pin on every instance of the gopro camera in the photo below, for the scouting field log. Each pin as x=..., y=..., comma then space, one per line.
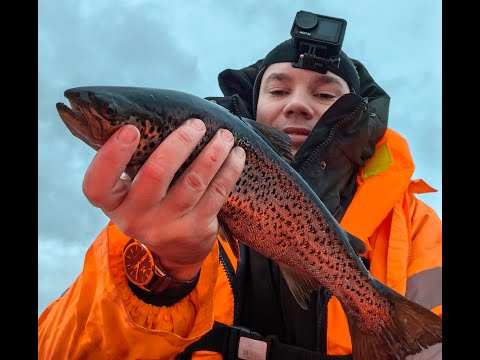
x=317, y=34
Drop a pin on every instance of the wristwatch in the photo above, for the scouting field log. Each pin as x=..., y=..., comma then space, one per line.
x=143, y=268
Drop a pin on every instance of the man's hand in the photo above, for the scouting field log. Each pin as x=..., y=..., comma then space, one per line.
x=178, y=224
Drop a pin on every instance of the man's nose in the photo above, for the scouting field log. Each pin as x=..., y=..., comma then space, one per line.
x=298, y=105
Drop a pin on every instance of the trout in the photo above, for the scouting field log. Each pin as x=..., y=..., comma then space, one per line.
x=271, y=209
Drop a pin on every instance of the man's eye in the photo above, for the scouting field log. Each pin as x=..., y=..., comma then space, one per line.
x=277, y=92
x=326, y=96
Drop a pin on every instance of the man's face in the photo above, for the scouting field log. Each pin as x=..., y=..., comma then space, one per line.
x=293, y=100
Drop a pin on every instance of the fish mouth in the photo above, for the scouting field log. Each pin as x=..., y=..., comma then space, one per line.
x=81, y=119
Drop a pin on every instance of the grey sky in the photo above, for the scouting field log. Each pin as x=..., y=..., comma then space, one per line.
x=184, y=47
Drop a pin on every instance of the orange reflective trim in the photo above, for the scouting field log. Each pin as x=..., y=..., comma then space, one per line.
x=377, y=163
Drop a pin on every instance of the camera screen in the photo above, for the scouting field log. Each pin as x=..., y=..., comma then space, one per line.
x=328, y=30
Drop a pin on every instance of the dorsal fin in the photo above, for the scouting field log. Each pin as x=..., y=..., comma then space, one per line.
x=300, y=284
x=277, y=139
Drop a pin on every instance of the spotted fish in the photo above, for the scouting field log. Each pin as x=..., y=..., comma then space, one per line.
x=271, y=209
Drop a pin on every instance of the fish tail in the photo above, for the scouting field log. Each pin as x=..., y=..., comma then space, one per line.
x=413, y=328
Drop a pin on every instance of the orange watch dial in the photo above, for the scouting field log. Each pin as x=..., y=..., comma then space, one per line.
x=138, y=263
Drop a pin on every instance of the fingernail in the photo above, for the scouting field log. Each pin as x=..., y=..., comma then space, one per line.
x=126, y=135
x=227, y=135
x=239, y=151
x=196, y=124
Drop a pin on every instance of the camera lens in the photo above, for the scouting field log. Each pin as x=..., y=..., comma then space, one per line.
x=306, y=20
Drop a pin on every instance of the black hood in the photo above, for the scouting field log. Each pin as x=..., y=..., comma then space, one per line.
x=240, y=82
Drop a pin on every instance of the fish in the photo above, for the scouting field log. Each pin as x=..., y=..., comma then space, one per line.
x=271, y=209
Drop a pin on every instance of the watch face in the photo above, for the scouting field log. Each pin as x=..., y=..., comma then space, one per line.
x=138, y=263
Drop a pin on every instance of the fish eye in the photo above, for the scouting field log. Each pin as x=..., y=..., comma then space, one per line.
x=110, y=110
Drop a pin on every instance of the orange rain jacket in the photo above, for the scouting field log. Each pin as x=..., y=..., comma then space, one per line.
x=100, y=318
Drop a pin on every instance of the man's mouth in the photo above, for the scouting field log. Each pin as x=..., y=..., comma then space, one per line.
x=298, y=135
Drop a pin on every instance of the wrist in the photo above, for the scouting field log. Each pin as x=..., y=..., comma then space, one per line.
x=181, y=272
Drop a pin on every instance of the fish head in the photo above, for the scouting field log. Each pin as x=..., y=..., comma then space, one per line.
x=94, y=114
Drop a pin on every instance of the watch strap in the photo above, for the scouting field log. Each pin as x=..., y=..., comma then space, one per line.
x=168, y=296
x=162, y=280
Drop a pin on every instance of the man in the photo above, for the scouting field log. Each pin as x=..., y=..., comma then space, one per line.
x=359, y=168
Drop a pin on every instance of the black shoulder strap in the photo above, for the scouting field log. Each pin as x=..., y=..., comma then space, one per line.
x=225, y=340
x=218, y=339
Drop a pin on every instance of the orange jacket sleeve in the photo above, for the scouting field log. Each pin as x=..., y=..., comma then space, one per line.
x=100, y=318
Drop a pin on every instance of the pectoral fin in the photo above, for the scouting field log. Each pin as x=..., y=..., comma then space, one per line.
x=300, y=284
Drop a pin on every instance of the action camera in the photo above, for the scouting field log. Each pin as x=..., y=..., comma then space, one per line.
x=317, y=34
x=318, y=40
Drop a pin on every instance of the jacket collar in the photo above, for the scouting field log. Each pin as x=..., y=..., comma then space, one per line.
x=381, y=184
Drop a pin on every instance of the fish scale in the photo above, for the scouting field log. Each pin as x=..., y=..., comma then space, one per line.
x=271, y=209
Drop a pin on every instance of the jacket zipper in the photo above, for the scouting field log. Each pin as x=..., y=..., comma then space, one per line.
x=228, y=268
x=409, y=230
x=236, y=107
